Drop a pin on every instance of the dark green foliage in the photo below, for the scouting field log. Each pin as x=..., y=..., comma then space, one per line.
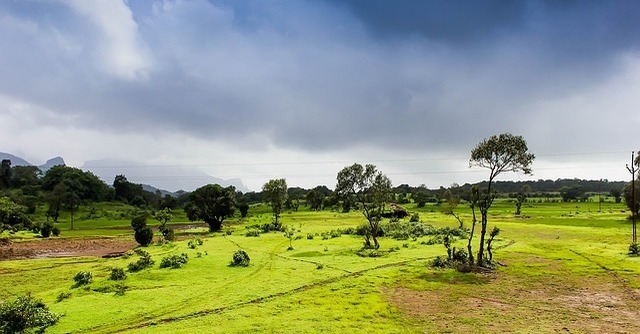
x=194, y=243
x=212, y=204
x=253, y=233
x=83, y=278
x=144, y=236
x=13, y=215
x=5, y=173
x=139, y=222
x=240, y=258
x=275, y=194
x=25, y=313
x=117, y=274
x=439, y=262
x=120, y=289
x=143, y=262
x=634, y=249
x=174, y=261
x=243, y=207
x=415, y=217
x=62, y=296
x=309, y=236
x=46, y=229
x=55, y=231
x=371, y=189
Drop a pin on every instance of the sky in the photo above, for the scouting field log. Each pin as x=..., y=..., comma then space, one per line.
x=300, y=89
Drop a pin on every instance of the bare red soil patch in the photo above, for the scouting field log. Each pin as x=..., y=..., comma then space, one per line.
x=65, y=248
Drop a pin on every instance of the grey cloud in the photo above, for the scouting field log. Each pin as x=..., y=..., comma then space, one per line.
x=324, y=76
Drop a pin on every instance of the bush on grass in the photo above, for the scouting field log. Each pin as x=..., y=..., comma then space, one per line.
x=83, y=278
x=174, y=261
x=25, y=313
x=240, y=258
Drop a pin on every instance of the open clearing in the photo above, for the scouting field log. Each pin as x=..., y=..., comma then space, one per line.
x=563, y=270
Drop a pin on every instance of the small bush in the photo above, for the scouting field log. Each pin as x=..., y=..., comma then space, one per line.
x=117, y=274
x=194, y=243
x=144, y=236
x=143, y=262
x=634, y=249
x=253, y=233
x=319, y=265
x=415, y=217
x=83, y=278
x=309, y=236
x=62, y=296
x=55, y=231
x=46, y=229
x=439, y=262
x=120, y=289
x=25, y=313
x=174, y=261
x=168, y=234
x=240, y=258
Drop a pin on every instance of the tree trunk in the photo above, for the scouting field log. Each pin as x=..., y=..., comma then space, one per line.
x=473, y=228
x=483, y=232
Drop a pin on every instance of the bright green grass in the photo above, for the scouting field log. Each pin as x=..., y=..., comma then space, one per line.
x=557, y=249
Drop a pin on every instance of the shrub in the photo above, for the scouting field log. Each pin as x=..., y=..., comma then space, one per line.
x=117, y=274
x=46, y=229
x=309, y=236
x=144, y=236
x=24, y=313
x=55, y=231
x=143, y=262
x=415, y=217
x=62, y=296
x=439, y=262
x=253, y=233
x=168, y=234
x=139, y=222
x=120, y=289
x=634, y=249
x=240, y=258
x=83, y=278
x=174, y=261
x=194, y=243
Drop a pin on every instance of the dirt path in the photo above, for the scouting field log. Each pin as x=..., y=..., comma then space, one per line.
x=62, y=247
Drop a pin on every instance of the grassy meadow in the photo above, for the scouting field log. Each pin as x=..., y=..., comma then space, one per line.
x=563, y=268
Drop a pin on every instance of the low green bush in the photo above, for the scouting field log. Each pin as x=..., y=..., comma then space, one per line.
x=174, y=261
x=240, y=258
x=83, y=278
x=143, y=262
x=117, y=274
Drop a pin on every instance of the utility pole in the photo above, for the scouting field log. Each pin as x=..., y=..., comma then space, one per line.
x=632, y=170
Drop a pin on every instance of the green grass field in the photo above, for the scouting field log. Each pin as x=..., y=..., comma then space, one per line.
x=564, y=269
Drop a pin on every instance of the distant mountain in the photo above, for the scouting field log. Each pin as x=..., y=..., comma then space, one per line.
x=152, y=189
x=50, y=163
x=15, y=161
x=173, y=178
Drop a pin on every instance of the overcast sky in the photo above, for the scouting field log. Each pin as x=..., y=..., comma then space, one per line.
x=299, y=89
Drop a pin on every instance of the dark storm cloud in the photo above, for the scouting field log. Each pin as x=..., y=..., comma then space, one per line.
x=317, y=75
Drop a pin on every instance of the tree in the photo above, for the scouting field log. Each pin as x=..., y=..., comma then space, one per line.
x=211, y=203
x=628, y=197
x=314, y=200
x=274, y=193
x=498, y=153
x=164, y=216
x=25, y=313
x=243, y=207
x=617, y=194
x=371, y=189
x=521, y=197
x=143, y=233
x=5, y=174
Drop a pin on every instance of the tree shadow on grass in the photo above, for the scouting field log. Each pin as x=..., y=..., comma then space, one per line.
x=451, y=276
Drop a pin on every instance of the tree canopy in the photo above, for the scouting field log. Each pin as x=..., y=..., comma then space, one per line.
x=212, y=204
